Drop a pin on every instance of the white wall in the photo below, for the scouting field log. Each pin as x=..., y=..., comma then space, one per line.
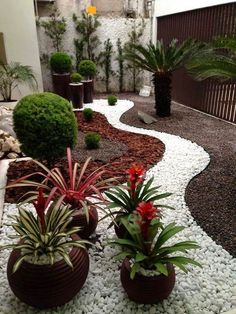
x=112, y=28
x=166, y=7
x=17, y=22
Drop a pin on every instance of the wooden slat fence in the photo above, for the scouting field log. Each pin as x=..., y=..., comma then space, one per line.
x=210, y=96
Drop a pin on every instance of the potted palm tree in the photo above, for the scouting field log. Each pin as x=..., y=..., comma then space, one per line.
x=12, y=75
x=147, y=273
x=76, y=90
x=88, y=69
x=49, y=264
x=60, y=63
x=161, y=61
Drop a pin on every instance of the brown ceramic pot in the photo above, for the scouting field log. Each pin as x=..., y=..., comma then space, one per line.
x=121, y=232
x=147, y=290
x=46, y=286
x=76, y=94
x=88, y=91
x=80, y=220
x=61, y=84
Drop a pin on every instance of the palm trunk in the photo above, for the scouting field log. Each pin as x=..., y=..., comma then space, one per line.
x=162, y=84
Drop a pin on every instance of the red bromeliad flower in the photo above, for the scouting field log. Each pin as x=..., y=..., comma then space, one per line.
x=40, y=204
x=136, y=173
x=147, y=211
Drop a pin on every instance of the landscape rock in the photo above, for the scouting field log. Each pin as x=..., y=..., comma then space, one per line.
x=9, y=146
x=6, y=121
x=146, y=118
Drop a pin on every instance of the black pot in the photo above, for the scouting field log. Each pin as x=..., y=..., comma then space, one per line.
x=61, y=84
x=76, y=94
x=88, y=91
x=46, y=286
x=147, y=290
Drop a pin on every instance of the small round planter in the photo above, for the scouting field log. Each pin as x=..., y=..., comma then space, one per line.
x=88, y=228
x=121, y=232
x=61, y=84
x=9, y=104
x=147, y=290
x=46, y=286
x=88, y=91
x=76, y=94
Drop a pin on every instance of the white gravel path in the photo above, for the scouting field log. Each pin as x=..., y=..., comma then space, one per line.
x=210, y=290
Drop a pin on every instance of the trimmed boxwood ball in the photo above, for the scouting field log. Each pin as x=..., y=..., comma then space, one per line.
x=75, y=77
x=112, y=100
x=87, y=68
x=60, y=62
x=45, y=126
x=88, y=114
x=92, y=140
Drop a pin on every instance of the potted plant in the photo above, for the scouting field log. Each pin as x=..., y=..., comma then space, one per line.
x=60, y=63
x=76, y=189
x=76, y=90
x=12, y=75
x=49, y=264
x=147, y=272
x=122, y=201
x=87, y=69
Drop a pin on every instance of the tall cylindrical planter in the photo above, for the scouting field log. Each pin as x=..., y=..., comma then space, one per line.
x=46, y=286
x=144, y=289
x=88, y=91
x=61, y=84
x=77, y=94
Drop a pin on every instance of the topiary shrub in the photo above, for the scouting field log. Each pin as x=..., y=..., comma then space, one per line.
x=87, y=68
x=60, y=62
x=88, y=114
x=112, y=100
x=75, y=77
x=92, y=140
x=45, y=126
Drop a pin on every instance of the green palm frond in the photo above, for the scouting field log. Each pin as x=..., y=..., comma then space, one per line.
x=160, y=58
x=215, y=60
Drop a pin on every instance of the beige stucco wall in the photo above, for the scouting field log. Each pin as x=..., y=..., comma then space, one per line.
x=17, y=22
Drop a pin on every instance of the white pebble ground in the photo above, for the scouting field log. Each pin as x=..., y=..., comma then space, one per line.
x=210, y=290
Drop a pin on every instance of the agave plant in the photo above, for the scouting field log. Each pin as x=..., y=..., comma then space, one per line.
x=46, y=234
x=13, y=74
x=147, y=247
x=162, y=60
x=75, y=191
x=216, y=59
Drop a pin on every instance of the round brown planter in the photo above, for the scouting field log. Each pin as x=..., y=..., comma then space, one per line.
x=88, y=91
x=46, y=286
x=88, y=228
x=147, y=290
x=121, y=232
x=61, y=84
x=76, y=94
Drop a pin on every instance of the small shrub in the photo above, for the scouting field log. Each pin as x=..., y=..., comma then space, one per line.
x=75, y=77
x=87, y=68
x=88, y=114
x=92, y=140
x=45, y=126
x=60, y=62
x=112, y=100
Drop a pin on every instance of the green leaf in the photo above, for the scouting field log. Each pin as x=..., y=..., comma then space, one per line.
x=140, y=257
x=134, y=269
x=162, y=268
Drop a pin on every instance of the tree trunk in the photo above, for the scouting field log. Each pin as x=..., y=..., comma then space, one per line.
x=162, y=84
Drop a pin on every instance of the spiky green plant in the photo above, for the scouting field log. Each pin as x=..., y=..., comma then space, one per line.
x=216, y=59
x=162, y=60
x=12, y=75
x=46, y=234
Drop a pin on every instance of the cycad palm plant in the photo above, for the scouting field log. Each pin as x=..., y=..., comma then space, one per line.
x=162, y=60
x=216, y=59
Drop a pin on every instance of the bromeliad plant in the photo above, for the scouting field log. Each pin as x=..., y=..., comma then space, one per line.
x=147, y=247
x=46, y=234
x=74, y=189
x=122, y=201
